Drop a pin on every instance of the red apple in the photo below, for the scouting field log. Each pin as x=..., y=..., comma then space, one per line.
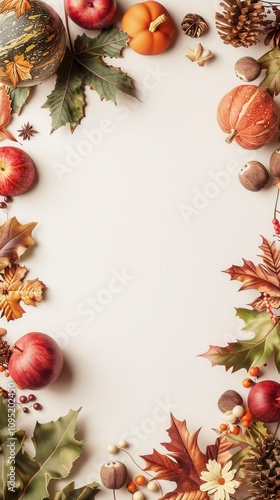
x=36, y=361
x=91, y=15
x=264, y=401
x=17, y=171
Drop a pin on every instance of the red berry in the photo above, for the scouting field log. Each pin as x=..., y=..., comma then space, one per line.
x=37, y=406
x=275, y=221
x=31, y=397
x=23, y=399
x=25, y=410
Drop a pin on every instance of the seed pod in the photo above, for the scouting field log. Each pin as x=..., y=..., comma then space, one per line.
x=228, y=400
x=274, y=164
x=113, y=475
x=247, y=68
x=253, y=176
x=194, y=25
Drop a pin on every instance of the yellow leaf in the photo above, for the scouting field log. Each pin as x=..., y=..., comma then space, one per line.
x=19, y=69
x=13, y=290
x=20, y=6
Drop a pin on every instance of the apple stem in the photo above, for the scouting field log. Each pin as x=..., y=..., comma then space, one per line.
x=18, y=348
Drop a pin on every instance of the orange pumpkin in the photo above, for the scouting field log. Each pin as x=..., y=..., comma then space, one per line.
x=249, y=115
x=150, y=27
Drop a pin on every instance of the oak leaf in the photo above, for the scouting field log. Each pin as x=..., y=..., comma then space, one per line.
x=5, y=115
x=249, y=352
x=15, y=238
x=20, y=6
x=263, y=277
x=13, y=290
x=183, y=464
x=19, y=69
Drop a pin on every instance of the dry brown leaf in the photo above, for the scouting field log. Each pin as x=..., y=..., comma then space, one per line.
x=19, y=69
x=5, y=115
x=13, y=290
x=20, y=6
x=15, y=238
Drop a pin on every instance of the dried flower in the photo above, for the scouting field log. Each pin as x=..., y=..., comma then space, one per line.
x=27, y=131
x=199, y=54
x=219, y=480
x=272, y=31
x=194, y=25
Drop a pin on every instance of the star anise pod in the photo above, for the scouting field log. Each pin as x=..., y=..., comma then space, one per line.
x=27, y=131
x=272, y=31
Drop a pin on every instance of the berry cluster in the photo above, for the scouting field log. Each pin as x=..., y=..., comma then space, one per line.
x=23, y=400
x=231, y=404
x=269, y=308
x=4, y=204
x=120, y=477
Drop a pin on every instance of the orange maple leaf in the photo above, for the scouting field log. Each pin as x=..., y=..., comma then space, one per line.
x=20, y=6
x=19, y=69
x=5, y=115
x=264, y=277
x=13, y=290
x=183, y=464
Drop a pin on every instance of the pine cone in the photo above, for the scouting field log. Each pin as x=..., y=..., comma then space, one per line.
x=4, y=352
x=194, y=25
x=262, y=469
x=241, y=22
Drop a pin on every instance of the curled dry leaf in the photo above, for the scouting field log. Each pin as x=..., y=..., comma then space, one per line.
x=14, y=290
x=199, y=54
x=15, y=238
x=5, y=115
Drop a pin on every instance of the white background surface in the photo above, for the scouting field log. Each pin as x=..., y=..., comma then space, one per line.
x=121, y=209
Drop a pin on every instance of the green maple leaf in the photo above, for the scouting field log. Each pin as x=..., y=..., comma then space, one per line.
x=84, y=65
x=251, y=352
x=270, y=62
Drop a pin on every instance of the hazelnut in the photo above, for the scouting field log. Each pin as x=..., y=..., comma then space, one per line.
x=247, y=68
x=113, y=475
x=228, y=400
x=253, y=176
x=274, y=164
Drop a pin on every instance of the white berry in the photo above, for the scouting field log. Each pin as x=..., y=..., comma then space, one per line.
x=152, y=486
x=238, y=411
x=138, y=495
x=112, y=448
x=229, y=417
x=122, y=444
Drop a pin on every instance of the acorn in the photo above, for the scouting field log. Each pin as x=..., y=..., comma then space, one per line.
x=247, y=68
x=253, y=176
x=228, y=400
x=274, y=163
x=113, y=475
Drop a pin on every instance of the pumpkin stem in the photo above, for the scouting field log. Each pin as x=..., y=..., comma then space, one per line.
x=154, y=24
x=231, y=136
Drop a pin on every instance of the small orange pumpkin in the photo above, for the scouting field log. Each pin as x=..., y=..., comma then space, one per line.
x=150, y=27
x=249, y=115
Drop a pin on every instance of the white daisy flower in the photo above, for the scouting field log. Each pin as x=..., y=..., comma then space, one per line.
x=219, y=480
